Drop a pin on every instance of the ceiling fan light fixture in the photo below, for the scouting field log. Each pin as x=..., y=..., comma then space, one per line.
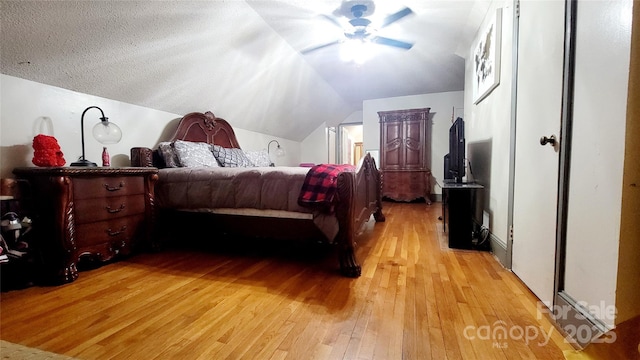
x=363, y=34
x=360, y=31
x=357, y=51
x=360, y=22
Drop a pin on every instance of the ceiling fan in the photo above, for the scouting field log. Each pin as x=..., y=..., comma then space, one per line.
x=359, y=27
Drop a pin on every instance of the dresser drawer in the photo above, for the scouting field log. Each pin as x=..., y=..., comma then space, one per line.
x=109, y=231
x=390, y=179
x=405, y=185
x=416, y=182
x=107, y=186
x=89, y=210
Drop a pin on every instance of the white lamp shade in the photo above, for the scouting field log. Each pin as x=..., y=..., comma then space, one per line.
x=107, y=133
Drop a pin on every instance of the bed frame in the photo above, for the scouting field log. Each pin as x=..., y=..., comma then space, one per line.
x=359, y=192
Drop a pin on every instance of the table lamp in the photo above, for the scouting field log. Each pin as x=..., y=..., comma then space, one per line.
x=105, y=132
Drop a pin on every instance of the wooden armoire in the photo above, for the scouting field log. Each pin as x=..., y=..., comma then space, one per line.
x=405, y=153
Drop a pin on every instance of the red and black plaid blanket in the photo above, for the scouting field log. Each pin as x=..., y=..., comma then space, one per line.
x=320, y=186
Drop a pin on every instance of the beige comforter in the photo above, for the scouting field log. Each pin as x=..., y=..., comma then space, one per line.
x=270, y=190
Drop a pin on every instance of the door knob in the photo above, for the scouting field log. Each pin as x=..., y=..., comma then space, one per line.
x=548, y=140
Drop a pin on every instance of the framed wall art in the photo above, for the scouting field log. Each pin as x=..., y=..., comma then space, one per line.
x=486, y=57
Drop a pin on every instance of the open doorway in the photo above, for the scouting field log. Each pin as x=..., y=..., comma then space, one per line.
x=331, y=145
x=349, y=148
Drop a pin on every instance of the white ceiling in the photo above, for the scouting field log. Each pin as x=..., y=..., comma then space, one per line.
x=239, y=59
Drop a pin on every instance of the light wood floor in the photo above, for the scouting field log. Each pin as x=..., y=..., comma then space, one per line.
x=416, y=299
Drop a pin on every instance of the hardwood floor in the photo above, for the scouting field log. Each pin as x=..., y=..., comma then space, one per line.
x=416, y=299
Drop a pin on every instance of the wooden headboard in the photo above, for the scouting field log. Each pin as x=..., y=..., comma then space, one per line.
x=207, y=128
x=195, y=126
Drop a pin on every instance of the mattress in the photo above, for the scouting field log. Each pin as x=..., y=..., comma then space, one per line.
x=254, y=191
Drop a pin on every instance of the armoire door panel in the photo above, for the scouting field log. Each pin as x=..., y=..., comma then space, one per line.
x=395, y=144
x=413, y=159
x=393, y=131
x=392, y=158
x=414, y=130
x=414, y=140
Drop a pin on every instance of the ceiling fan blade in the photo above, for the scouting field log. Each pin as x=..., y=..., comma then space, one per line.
x=391, y=42
x=395, y=17
x=318, y=47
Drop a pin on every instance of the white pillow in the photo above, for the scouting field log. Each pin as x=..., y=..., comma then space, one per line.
x=259, y=158
x=192, y=154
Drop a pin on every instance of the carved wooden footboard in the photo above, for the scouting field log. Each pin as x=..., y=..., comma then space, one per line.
x=360, y=196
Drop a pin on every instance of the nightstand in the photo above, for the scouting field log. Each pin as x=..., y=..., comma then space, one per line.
x=97, y=212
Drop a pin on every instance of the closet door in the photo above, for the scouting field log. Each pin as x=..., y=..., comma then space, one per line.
x=603, y=41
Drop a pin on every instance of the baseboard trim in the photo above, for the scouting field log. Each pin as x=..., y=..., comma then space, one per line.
x=499, y=249
x=580, y=327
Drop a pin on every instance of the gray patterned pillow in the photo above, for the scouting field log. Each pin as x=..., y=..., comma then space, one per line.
x=231, y=157
x=192, y=154
x=168, y=154
x=258, y=157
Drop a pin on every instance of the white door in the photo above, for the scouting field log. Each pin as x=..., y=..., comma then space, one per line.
x=539, y=100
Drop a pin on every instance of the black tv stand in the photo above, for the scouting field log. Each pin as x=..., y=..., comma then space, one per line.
x=459, y=201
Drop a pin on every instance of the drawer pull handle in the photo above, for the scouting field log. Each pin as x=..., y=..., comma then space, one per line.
x=115, y=247
x=116, y=210
x=115, y=233
x=114, y=188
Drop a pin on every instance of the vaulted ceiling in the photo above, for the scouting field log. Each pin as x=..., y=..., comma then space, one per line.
x=243, y=60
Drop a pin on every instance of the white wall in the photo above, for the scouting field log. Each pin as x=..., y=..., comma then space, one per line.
x=314, y=148
x=28, y=108
x=442, y=107
x=488, y=131
x=251, y=140
x=354, y=118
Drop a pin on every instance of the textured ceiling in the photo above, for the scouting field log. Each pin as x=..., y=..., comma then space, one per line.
x=239, y=59
x=441, y=32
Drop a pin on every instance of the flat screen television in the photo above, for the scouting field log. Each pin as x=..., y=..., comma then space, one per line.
x=457, y=151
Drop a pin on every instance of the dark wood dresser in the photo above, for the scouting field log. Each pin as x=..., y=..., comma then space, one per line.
x=97, y=212
x=405, y=154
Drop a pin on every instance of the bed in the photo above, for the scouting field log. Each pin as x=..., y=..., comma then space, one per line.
x=267, y=198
